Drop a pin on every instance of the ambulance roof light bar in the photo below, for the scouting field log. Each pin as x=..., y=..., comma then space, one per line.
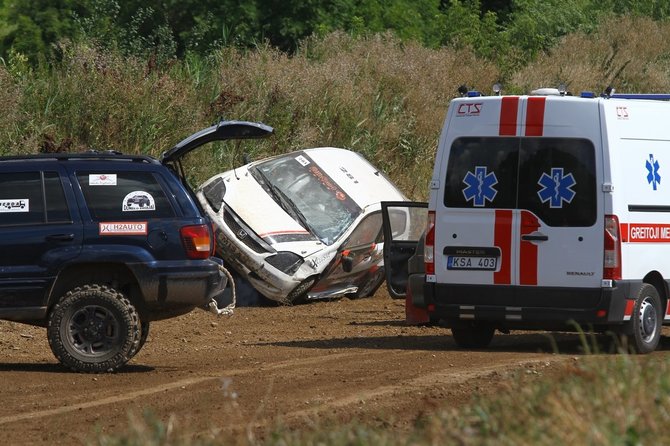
x=464, y=91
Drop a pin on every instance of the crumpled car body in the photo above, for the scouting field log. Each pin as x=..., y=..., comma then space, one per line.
x=304, y=225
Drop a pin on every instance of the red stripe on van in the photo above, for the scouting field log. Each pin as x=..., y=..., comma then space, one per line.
x=535, y=116
x=623, y=230
x=528, y=250
x=508, y=114
x=502, y=238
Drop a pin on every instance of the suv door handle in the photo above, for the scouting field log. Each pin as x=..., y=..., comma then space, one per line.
x=60, y=237
x=535, y=238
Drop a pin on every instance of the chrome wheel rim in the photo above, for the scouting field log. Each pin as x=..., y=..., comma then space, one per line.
x=648, y=318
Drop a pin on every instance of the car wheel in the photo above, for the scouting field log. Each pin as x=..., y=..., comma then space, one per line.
x=371, y=285
x=94, y=328
x=473, y=336
x=299, y=293
x=647, y=320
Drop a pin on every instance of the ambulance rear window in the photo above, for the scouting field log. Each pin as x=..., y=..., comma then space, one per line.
x=482, y=173
x=557, y=180
x=552, y=177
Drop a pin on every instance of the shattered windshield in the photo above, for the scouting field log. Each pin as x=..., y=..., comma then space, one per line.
x=310, y=196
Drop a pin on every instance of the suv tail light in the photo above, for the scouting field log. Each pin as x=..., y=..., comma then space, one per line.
x=612, y=259
x=429, y=244
x=197, y=241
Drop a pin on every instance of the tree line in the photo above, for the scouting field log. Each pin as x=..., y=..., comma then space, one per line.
x=512, y=31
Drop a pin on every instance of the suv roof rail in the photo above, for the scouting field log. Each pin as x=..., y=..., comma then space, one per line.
x=92, y=155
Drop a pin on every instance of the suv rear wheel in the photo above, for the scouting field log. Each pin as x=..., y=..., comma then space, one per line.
x=94, y=328
x=143, y=337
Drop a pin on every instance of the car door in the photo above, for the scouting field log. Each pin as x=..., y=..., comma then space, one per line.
x=39, y=232
x=403, y=225
x=360, y=254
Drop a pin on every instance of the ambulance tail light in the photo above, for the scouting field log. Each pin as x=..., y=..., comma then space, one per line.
x=612, y=260
x=429, y=244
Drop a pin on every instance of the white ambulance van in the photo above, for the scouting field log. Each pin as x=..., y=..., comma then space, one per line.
x=546, y=211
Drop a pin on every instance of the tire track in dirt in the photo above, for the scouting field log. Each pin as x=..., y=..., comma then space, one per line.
x=418, y=383
x=320, y=359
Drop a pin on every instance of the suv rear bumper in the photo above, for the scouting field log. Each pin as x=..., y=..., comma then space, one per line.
x=524, y=307
x=193, y=283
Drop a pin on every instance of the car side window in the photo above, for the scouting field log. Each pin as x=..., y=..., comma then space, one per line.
x=367, y=232
x=23, y=196
x=124, y=196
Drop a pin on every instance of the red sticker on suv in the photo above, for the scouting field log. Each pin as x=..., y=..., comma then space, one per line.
x=123, y=228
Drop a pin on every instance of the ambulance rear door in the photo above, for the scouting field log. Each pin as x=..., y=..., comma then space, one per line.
x=522, y=194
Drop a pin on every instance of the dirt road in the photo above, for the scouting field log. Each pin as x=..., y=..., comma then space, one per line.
x=243, y=375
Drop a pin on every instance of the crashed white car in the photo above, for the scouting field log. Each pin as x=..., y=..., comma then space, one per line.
x=299, y=226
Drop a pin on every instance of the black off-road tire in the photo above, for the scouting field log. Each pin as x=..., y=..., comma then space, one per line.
x=94, y=329
x=473, y=336
x=647, y=320
x=144, y=329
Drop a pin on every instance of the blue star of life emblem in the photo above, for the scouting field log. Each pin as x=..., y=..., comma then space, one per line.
x=480, y=186
x=653, y=177
x=556, y=188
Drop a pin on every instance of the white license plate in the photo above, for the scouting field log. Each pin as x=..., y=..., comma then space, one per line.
x=476, y=263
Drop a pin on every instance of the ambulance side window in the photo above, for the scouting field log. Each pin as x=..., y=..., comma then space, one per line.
x=482, y=172
x=557, y=180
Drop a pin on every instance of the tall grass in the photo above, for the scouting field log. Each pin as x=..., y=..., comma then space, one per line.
x=630, y=53
x=377, y=95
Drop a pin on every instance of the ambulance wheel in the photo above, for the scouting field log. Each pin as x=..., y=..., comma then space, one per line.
x=647, y=320
x=473, y=336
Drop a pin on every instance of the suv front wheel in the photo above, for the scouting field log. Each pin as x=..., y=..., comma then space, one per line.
x=94, y=328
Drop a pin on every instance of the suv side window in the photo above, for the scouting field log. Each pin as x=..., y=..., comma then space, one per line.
x=124, y=196
x=23, y=196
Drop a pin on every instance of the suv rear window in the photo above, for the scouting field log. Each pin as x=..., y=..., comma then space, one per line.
x=124, y=196
x=23, y=196
x=552, y=177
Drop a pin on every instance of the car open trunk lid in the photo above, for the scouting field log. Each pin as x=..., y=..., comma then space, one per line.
x=224, y=130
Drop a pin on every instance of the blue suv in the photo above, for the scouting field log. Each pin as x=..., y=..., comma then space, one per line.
x=95, y=246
